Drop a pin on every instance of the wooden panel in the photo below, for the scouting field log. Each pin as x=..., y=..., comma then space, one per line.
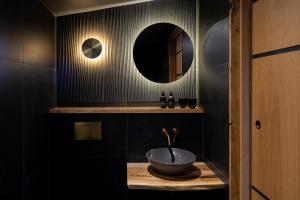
x=113, y=76
x=178, y=38
x=256, y=196
x=124, y=110
x=198, y=178
x=276, y=146
x=239, y=97
x=276, y=18
x=178, y=65
x=234, y=98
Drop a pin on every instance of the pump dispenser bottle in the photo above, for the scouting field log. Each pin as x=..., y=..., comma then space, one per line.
x=163, y=100
x=171, y=100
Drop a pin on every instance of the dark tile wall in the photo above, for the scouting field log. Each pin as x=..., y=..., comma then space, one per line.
x=11, y=34
x=144, y=133
x=214, y=81
x=94, y=169
x=87, y=177
x=27, y=90
x=113, y=143
x=11, y=130
x=87, y=169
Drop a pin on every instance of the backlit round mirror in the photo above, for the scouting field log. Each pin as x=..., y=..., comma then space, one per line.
x=163, y=52
x=91, y=48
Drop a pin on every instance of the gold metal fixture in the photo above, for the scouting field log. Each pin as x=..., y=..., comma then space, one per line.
x=174, y=133
x=87, y=131
x=166, y=134
x=91, y=48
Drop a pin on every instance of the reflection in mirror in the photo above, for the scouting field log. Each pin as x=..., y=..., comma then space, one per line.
x=163, y=52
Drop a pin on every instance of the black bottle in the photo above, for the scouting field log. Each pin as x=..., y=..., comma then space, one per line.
x=171, y=100
x=163, y=100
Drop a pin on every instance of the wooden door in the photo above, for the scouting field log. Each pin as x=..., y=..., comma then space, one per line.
x=256, y=196
x=276, y=140
x=275, y=25
x=175, y=55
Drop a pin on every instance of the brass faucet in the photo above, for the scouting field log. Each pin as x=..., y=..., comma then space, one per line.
x=174, y=133
x=166, y=134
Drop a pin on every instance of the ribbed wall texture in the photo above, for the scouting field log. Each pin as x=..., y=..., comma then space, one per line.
x=113, y=76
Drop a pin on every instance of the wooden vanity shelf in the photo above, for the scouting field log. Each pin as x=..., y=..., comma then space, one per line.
x=201, y=177
x=125, y=110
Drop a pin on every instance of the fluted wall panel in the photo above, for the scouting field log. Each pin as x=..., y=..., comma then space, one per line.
x=113, y=76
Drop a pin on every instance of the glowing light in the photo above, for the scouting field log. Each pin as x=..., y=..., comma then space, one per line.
x=101, y=59
x=91, y=48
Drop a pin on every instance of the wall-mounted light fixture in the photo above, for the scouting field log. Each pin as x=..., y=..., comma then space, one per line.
x=91, y=48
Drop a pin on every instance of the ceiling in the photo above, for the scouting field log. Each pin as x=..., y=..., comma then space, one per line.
x=66, y=7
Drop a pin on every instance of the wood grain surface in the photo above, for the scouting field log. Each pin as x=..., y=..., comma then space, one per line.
x=124, y=110
x=199, y=177
x=239, y=99
x=276, y=145
x=275, y=25
x=256, y=196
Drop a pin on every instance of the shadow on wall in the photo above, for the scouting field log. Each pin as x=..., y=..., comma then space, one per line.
x=216, y=44
x=216, y=95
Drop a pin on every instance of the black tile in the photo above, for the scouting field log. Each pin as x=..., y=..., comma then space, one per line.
x=217, y=140
x=11, y=34
x=113, y=141
x=39, y=34
x=36, y=183
x=18, y=110
x=214, y=90
x=10, y=87
x=215, y=98
x=38, y=92
x=144, y=133
x=11, y=130
x=11, y=179
x=87, y=178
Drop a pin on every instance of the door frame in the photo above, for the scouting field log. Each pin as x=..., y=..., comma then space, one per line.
x=240, y=99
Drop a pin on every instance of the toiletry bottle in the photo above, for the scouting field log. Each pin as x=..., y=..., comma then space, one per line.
x=163, y=100
x=171, y=100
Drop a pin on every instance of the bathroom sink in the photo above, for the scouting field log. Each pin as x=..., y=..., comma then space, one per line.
x=161, y=160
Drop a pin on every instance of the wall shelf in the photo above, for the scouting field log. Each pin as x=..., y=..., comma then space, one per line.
x=201, y=177
x=124, y=110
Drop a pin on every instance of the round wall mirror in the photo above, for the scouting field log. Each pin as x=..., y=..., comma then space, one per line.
x=163, y=52
x=91, y=48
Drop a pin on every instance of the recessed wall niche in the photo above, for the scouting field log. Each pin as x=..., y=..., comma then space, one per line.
x=115, y=78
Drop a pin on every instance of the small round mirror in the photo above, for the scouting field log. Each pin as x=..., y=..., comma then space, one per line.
x=91, y=48
x=163, y=52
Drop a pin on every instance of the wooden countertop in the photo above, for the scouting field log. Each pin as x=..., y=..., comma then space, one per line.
x=201, y=177
x=124, y=110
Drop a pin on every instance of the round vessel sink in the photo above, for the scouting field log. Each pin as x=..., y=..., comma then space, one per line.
x=161, y=160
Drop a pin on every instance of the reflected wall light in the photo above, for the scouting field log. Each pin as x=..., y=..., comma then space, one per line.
x=91, y=48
